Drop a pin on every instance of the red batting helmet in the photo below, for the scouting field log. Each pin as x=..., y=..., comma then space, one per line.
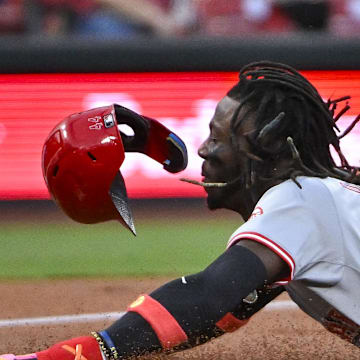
x=82, y=156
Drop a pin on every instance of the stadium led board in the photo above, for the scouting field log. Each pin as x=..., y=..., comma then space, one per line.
x=32, y=104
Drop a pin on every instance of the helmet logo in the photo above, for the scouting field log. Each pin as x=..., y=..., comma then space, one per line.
x=109, y=121
x=97, y=124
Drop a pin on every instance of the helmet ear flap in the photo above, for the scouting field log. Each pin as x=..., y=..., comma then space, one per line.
x=140, y=126
x=153, y=139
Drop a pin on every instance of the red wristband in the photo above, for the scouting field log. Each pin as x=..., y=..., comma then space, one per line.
x=165, y=326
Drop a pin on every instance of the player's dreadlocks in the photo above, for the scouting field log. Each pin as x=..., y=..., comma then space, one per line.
x=291, y=122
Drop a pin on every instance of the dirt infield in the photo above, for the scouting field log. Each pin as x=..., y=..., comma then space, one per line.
x=280, y=334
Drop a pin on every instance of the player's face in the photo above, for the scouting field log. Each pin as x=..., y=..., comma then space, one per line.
x=222, y=163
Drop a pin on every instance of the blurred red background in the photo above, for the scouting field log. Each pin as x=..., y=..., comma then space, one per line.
x=32, y=104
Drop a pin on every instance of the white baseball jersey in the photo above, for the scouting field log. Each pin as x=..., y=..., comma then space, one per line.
x=316, y=231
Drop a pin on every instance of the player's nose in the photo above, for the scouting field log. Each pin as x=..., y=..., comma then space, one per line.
x=203, y=150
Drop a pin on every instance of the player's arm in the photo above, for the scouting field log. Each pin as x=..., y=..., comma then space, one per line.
x=185, y=312
x=194, y=309
x=275, y=266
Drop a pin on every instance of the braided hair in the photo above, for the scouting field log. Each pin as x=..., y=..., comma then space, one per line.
x=291, y=122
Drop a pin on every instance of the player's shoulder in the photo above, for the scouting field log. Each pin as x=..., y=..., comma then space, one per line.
x=303, y=185
x=336, y=185
x=335, y=188
x=306, y=190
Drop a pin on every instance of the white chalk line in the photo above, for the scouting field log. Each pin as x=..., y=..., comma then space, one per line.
x=109, y=316
x=61, y=319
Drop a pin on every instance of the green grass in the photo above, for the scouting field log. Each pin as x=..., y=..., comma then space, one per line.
x=162, y=248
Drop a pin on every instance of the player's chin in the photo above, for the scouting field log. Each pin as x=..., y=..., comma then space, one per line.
x=214, y=199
